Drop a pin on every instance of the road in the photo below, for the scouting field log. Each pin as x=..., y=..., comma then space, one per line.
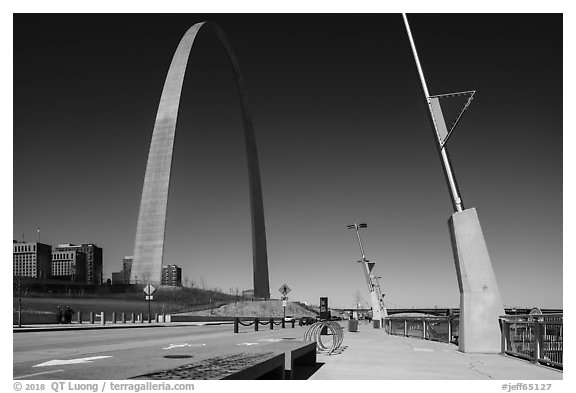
x=115, y=354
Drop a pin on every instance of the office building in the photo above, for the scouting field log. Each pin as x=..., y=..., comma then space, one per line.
x=69, y=265
x=93, y=260
x=127, y=268
x=171, y=275
x=123, y=276
x=248, y=293
x=32, y=259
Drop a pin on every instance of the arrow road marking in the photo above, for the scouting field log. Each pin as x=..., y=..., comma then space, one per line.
x=172, y=346
x=57, y=362
x=177, y=346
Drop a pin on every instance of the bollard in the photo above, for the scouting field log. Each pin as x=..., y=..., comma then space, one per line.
x=236, y=325
x=91, y=317
x=271, y=323
x=256, y=322
x=123, y=318
x=114, y=318
x=293, y=322
x=405, y=328
x=283, y=323
x=80, y=317
x=102, y=318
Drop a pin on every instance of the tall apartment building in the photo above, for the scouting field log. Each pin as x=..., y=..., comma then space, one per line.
x=127, y=268
x=32, y=259
x=123, y=276
x=69, y=265
x=171, y=275
x=93, y=259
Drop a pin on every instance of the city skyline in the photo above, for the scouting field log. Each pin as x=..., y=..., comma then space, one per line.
x=342, y=136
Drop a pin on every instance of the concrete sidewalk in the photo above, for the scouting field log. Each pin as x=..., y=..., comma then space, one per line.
x=373, y=354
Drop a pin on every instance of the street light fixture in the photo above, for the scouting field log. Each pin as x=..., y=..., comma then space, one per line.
x=357, y=226
x=378, y=308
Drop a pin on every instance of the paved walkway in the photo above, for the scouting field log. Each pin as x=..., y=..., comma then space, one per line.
x=373, y=354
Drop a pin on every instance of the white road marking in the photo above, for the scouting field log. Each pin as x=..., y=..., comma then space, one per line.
x=57, y=362
x=247, y=344
x=172, y=346
x=423, y=349
x=44, y=372
x=177, y=346
x=271, y=339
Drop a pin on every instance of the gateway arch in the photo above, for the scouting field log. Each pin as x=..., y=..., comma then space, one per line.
x=150, y=230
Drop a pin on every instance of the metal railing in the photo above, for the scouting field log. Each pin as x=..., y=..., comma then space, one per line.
x=256, y=322
x=538, y=338
x=444, y=329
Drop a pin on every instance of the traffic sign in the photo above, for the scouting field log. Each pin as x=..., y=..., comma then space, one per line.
x=149, y=289
x=149, y=297
x=284, y=289
x=284, y=303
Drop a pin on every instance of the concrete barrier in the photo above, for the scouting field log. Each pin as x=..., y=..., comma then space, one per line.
x=35, y=317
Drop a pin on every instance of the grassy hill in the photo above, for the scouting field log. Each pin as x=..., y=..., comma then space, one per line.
x=264, y=308
x=166, y=300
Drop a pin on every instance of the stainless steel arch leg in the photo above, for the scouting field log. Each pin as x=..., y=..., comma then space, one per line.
x=149, y=243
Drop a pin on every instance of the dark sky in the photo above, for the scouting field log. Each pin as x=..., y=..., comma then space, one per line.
x=342, y=133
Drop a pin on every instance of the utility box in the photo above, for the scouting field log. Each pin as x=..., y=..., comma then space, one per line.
x=352, y=325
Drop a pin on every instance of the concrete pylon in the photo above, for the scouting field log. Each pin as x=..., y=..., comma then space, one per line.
x=480, y=301
x=149, y=243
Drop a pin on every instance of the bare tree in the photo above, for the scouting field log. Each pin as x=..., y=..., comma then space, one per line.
x=20, y=284
x=358, y=299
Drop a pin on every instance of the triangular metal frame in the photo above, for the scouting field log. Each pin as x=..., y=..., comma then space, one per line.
x=442, y=132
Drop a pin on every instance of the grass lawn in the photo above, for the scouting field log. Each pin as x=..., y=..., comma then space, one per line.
x=91, y=305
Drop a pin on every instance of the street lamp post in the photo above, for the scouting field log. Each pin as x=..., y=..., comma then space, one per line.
x=378, y=309
x=438, y=126
x=479, y=309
